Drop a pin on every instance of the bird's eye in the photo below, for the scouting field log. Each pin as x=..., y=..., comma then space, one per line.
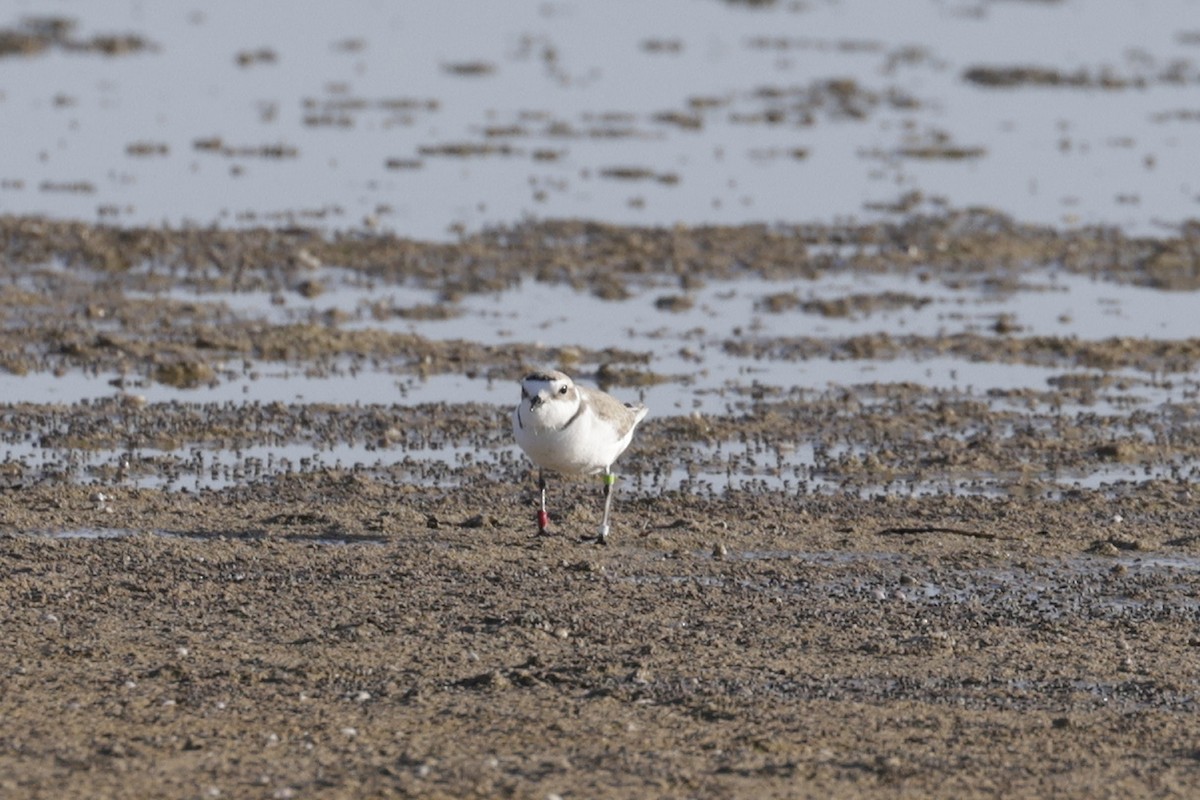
x=562, y=390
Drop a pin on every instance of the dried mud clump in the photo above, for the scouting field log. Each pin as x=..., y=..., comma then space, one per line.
x=184, y=375
x=863, y=304
x=36, y=35
x=1175, y=73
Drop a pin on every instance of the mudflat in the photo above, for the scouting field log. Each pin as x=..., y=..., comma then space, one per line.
x=753, y=646
x=922, y=607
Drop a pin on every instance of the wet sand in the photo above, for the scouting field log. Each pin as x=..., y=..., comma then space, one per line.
x=397, y=630
x=753, y=646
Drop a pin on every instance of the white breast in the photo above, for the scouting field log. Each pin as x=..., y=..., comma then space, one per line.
x=586, y=445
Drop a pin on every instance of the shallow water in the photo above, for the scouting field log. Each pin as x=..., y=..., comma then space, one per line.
x=716, y=112
x=685, y=345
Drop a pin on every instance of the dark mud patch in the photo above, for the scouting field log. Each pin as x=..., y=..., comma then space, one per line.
x=848, y=306
x=965, y=244
x=1149, y=355
x=1178, y=72
x=34, y=36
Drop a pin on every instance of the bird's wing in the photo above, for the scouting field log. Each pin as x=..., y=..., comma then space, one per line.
x=605, y=405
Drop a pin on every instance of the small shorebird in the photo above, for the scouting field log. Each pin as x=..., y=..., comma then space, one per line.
x=572, y=429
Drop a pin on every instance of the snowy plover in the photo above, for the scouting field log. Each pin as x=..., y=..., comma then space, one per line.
x=572, y=429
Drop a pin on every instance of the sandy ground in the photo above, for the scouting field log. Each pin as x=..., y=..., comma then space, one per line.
x=354, y=633
x=757, y=646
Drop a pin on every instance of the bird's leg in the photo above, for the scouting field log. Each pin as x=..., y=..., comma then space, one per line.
x=609, y=481
x=543, y=519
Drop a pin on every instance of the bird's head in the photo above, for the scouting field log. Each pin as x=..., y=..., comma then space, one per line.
x=540, y=390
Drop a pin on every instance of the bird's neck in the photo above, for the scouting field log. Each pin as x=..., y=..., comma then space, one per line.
x=555, y=416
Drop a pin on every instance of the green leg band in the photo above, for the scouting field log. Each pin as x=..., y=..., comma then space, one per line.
x=609, y=479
